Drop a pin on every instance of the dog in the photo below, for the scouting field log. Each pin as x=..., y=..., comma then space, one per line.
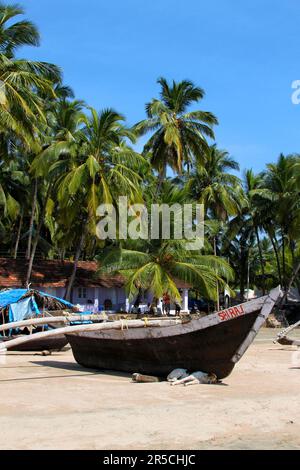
x=196, y=378
x=177, y=374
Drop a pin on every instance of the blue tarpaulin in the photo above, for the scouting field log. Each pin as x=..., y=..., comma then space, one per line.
x=22, y=309
x=11, y=296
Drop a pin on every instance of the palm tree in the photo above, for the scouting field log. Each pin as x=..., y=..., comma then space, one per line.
x=60, y=136
x=237, y=249
x=14, y=183
x=91, y=163
x=21, y=33
x=179, y=137
x=10, y=182
x=103, y=166
x=243, y=229
x=156, y=265
x=21, y=107
x=216, y=188
x=220, y=191
x=256, y=208
x=280, y=191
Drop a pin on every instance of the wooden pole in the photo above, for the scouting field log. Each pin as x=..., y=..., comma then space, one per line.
x=3, y=318
x=117, y=325
x=50, y=321
x=248, y=276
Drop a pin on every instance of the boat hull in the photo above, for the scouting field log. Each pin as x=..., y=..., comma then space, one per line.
x=55, y=343
x=208, y=349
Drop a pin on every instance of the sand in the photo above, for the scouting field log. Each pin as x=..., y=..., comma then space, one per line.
x=53, y=403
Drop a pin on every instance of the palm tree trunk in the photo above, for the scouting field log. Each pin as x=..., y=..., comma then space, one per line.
x=243, y=269
x=18, y=234
x=161, y=177
x=292, y=248
x=295, y=273
x=33, y=208
x=261, y=261
x=217, y=287
x=283, y=261
x=37, y=235
x=277, y=259
x=62, y=254
x=242, y=286
x=75, y=264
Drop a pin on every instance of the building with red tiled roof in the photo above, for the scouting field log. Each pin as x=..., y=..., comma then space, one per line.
x=90, y=288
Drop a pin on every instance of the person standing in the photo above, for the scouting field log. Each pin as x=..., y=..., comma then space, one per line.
x=177, y=308
x=166, y=304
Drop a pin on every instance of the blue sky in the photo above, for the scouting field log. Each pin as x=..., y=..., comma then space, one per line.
x=245, y=54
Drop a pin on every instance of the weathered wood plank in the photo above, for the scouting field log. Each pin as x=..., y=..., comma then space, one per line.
x=92, y=327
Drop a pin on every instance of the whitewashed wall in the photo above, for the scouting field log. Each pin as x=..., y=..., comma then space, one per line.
x=115, y=295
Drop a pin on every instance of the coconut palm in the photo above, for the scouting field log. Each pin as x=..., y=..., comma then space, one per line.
x=58, y=140
x=243, y=229
x=93, y=164
x=280, y=191
x=216, y=188
x=19, y=33
x=10, y=182
x=14, y=184
x=256, y=209
x=104, y=166
x=156, y=265
x=21, y=107
x=179, y=136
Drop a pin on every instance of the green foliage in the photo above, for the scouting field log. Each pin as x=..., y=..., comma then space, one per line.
x=179, y=138
x=60, y=159
x=161, y=263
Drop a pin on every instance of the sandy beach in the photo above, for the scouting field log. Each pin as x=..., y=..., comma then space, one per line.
x=53, y=403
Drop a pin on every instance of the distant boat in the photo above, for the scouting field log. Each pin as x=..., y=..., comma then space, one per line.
x=285, y=340
x=55, y=343
x=213, y=343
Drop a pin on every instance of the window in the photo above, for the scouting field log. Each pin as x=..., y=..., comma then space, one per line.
x=81, y=292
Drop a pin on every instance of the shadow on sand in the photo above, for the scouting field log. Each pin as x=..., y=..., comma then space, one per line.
x=77, y=367
x=82, y=371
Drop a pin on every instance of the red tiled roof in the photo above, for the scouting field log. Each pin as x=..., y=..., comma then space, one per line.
x=54, y=273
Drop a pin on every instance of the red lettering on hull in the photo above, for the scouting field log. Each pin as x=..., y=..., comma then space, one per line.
x=231, y=312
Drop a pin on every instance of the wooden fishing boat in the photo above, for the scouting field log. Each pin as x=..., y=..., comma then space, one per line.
x=54, y=343
x=214, y=343
x=285, y=340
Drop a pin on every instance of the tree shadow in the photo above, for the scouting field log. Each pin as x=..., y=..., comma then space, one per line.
x=61, y=365
x=25, y=379
x=67, y=366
